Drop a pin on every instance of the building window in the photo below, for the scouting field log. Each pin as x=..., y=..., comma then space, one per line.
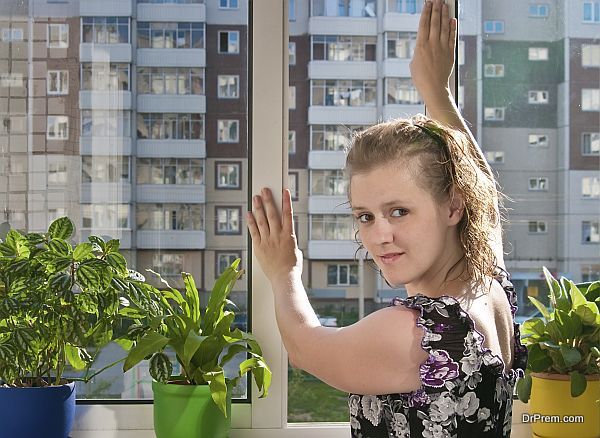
x=343, y=48
x=105, y=216
x=538, y=140
x=228, y=220
x=291, y=142
x=537, y=10
x=170, y=80
x=590, y=55
x=590, y=99
x=14, y=34
x=229, y=41
x=590, y=187
x=228, y=86
x=493, y=71
x=293, y=185
x=173, y=217
x=538, y=54
x=400, y=45
x=224, y=260
x=174, y=171
x=590, y=273
x=105, y=76
x=228, y=131
x=328, y=183
x=537, y=227
x=58, y=36
x=292, y=97
x=105, y=123
x=104, y=169
x=292, y=53
x=292, y=10
x=342, y=275
x=590, y=143
x=538, y=184
x=331, y=227
x=493, y=26
x=590, y=231
x=170, y=35
x=228, y=4
x=591, y=12
x=57, y=173
x=494, y=156
x=343, y=8
x=57, y=82
x=538, y=97
x=343, y=92
x=176, y=126
x=331, y=137
x=404, y=6
x=493, y=114
x=167, y=265
x=58, y=128
x=228, y=175
x=105, y=30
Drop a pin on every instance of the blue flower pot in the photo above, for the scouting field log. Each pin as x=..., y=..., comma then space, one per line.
x=37, y=412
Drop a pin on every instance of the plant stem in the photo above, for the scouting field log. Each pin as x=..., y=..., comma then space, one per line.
x=88, y=378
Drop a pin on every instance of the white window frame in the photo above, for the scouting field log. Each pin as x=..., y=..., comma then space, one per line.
x=63, y=30
x=228, y=210
x=493, y=70
x=590, y=55
x=498, y=116
x=228, y=6
x=538, y=97
x=595, y=16
x=56, y=120
x=237, y=87
x=537, y=144
x=497, y=26
x=63, y=83
x=540, y=184
x=538, y=10
x=593, y=183
x=541, y=227
x=291, y=142
x=593, y=100
x=494, y=157
x=292, y=52
x=592, y=224
x=220, y=166
x=237, y=131
x=228, y=32
x=538, y=54
x=591, y=135
x=292, y=97
x=348, y=266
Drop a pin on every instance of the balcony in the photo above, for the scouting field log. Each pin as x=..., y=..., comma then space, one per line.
x=124, y=235
x=104, y=8
x=102, y=193
x=396, y=68
x=401, y=111
x=326, y=159
x=395, y=22
x=171, y=148
x=332, y=249
x=337, y=115
x=89, y=52
x=105, y=145
x=171, y=239
x=328, y=204
x=342, y=26
x=171, y=193
x=147, y=103
x=115, y=100
x=171, y=12
x=342, y=69
x=171, y=57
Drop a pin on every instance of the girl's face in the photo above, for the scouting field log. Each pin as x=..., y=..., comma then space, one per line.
x=411, y=236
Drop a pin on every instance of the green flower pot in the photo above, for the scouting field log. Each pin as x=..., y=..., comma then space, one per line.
x=185, y=411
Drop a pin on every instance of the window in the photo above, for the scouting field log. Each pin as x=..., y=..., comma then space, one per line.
x=400, y=44
x=57, y=82
x=590, y=231
x=228, y=4
x=538, y=140
x=175, y=126
x=538, y=184
x=342, y=275
x=58, y=128
x=591, y=12
x=494, y=71
x=105, y=76
x=176, y=171
x=170, y=80
x=404, y=6
x=493, y=26
x=590, y=273
x=167, y=265
x=292, y=97
x=590, y=99
x=331, y=137
x=293, y=185
x=228, y=175
x=590, y=143
x=590, y=55
x=57, y=173
x=343, y=48
x=105, y=216
x=178, y=2
x=292, y=53
x=344, y=8
x=228, y=131
x=537, y=10
x=291, y=142
x=14, y=34
x=461, y=52
x=494, y=156
x=590, y=187
x=228, y=220
x=229, y=41
x=58, y=36
x=228, y=86
x=104, y=169
x=331, y=227
x=538, y=53
x=328, y=183
x=343, y=92
x=174, y=217
x=493, y=114
x=105, y=123
x=224, y=260
x=537, y=227
x=105, y=30
x=170, y=35
x=292, y=10
x=538, y=97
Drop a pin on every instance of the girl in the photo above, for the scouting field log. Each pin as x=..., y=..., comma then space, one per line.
x=442, y=362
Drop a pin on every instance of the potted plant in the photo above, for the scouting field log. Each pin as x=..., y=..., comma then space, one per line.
x=197, y=402
x=563, y=369
x=56, y=301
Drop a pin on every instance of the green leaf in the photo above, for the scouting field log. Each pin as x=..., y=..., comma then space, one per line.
x=133, y=313
x=218, y=296
x=218, y=389
x=150, y=343
x=192, y=343
x=87, y=277
x=533, y=326
x=524, y=388
x=112, y=246
x=161, y=367
x=595, y=351
x=577, y=298
x=232, y=351
x=578, y=384
x=118, y=262
x=82, y=251
x=588, y=312
x=192, y=297
x=60, y=247
x=571, y=355
x=61, y=228
x=75, y=356
x=261, y=372
x=592, y=293
x=97, y=243
x=569, y=324
x=125, y=344
x=557, y=296
x=541, y=307
x=60, y=281
x=538, y=360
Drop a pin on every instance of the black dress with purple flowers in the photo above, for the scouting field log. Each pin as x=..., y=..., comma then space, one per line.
x=464, y=391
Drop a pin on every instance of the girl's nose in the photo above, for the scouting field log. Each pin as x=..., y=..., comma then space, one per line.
x=382, y=231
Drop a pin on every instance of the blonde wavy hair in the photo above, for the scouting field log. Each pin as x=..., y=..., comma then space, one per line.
x=447, y=160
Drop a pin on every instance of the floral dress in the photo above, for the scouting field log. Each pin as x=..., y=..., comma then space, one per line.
x=464, y=391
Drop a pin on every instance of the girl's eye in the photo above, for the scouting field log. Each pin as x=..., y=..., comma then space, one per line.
x=400, y=212
x=363, y=218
